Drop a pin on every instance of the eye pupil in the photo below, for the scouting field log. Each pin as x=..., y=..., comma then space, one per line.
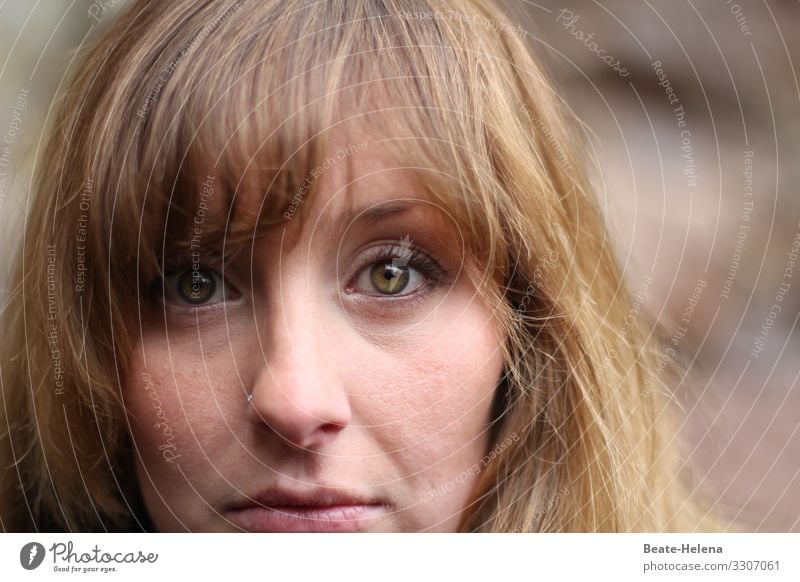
x=388, y=278
x=196, y=287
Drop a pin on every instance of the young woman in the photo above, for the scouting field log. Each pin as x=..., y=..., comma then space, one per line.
x=324, y=266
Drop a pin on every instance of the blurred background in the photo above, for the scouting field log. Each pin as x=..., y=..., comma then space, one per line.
x=692, y=111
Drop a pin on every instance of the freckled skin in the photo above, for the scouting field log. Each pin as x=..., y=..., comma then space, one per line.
x=389, y=401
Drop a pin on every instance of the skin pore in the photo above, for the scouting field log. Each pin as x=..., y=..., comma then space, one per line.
x=340, y=377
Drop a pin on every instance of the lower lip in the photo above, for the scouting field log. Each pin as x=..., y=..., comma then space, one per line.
x=295, y=518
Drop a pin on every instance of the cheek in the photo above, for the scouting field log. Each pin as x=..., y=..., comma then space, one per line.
x=177, y=423
x=438, y=395
x=169, y=393
x=434, y=376
x=427, y=396
x=154, y=417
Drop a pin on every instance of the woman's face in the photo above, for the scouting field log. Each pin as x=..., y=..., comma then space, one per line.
x=341, y=378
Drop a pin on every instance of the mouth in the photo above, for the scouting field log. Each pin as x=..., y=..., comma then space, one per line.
x=322, y=510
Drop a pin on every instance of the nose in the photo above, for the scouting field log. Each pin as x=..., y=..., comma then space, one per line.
x=298, y=392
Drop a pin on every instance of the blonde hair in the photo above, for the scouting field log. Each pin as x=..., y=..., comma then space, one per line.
x=171, y=93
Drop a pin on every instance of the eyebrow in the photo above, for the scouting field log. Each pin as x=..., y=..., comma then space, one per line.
x=382, y=211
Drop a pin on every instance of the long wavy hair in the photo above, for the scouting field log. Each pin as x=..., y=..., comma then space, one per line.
x=171, y=92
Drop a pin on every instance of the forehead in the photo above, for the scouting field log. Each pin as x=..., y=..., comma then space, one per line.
x=366, y=184
x=357, y=172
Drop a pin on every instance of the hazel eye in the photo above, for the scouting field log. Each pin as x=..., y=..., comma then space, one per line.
x=195, y=287
x=389, y=278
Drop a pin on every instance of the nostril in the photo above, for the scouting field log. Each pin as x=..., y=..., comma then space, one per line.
x=331, y=428
x=304, y=434
x=315, y=440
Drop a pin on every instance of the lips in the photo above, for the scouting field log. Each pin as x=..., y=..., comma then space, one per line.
x=315, y=510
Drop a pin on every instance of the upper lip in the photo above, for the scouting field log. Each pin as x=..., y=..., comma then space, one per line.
x=311, y=497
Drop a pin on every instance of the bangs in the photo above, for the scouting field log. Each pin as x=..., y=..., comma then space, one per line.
x=234, y=104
